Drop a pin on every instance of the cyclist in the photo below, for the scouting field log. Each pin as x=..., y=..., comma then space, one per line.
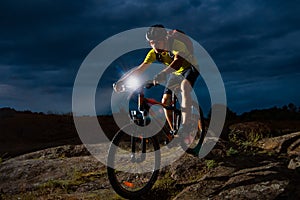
x=180, y=65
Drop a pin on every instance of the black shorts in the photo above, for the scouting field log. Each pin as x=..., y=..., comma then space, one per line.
x=191, y=74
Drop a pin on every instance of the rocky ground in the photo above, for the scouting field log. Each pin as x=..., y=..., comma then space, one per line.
x=268, y=169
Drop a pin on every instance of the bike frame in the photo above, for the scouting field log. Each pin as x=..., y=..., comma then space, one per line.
x=143, y=102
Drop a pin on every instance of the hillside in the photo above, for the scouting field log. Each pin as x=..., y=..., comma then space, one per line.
x=24, y=131
x=257, y=157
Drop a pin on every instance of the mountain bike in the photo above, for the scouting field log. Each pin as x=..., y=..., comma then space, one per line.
x=134, y=156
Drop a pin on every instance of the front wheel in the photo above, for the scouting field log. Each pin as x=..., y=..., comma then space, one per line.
x=133, y=164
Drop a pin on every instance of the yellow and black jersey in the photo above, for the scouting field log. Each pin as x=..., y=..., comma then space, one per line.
x=177, y=48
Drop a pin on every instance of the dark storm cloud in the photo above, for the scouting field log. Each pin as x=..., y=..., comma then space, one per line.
x=43, y=42
x=41, y=32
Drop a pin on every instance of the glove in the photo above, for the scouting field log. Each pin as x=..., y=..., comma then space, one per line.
x=160, y=77
x=118, y=86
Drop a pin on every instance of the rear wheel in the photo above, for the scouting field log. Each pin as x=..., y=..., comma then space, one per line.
x=133, y=164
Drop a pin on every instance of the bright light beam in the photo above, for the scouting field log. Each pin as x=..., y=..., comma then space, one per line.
x=133, y=83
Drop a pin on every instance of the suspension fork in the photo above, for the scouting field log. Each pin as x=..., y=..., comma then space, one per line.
x=134, y=139
x=143, y=144
x=141, y=101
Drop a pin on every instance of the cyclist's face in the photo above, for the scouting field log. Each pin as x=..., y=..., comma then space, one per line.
x=157, y=45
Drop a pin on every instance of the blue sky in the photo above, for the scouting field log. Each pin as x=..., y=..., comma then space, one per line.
x=254, y=43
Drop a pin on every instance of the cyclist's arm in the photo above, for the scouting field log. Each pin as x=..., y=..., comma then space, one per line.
x=180, y=52
x=136, y=71
x=175, y=64
x=150, y=58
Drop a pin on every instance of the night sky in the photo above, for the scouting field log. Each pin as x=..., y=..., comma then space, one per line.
x=254, y=43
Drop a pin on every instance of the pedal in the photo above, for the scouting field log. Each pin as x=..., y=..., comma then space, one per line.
x=174, y=133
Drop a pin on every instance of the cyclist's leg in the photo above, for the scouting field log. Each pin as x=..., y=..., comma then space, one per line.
x=173, y=82
x=168, y=113
x=186, y=101
x=190, y=76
